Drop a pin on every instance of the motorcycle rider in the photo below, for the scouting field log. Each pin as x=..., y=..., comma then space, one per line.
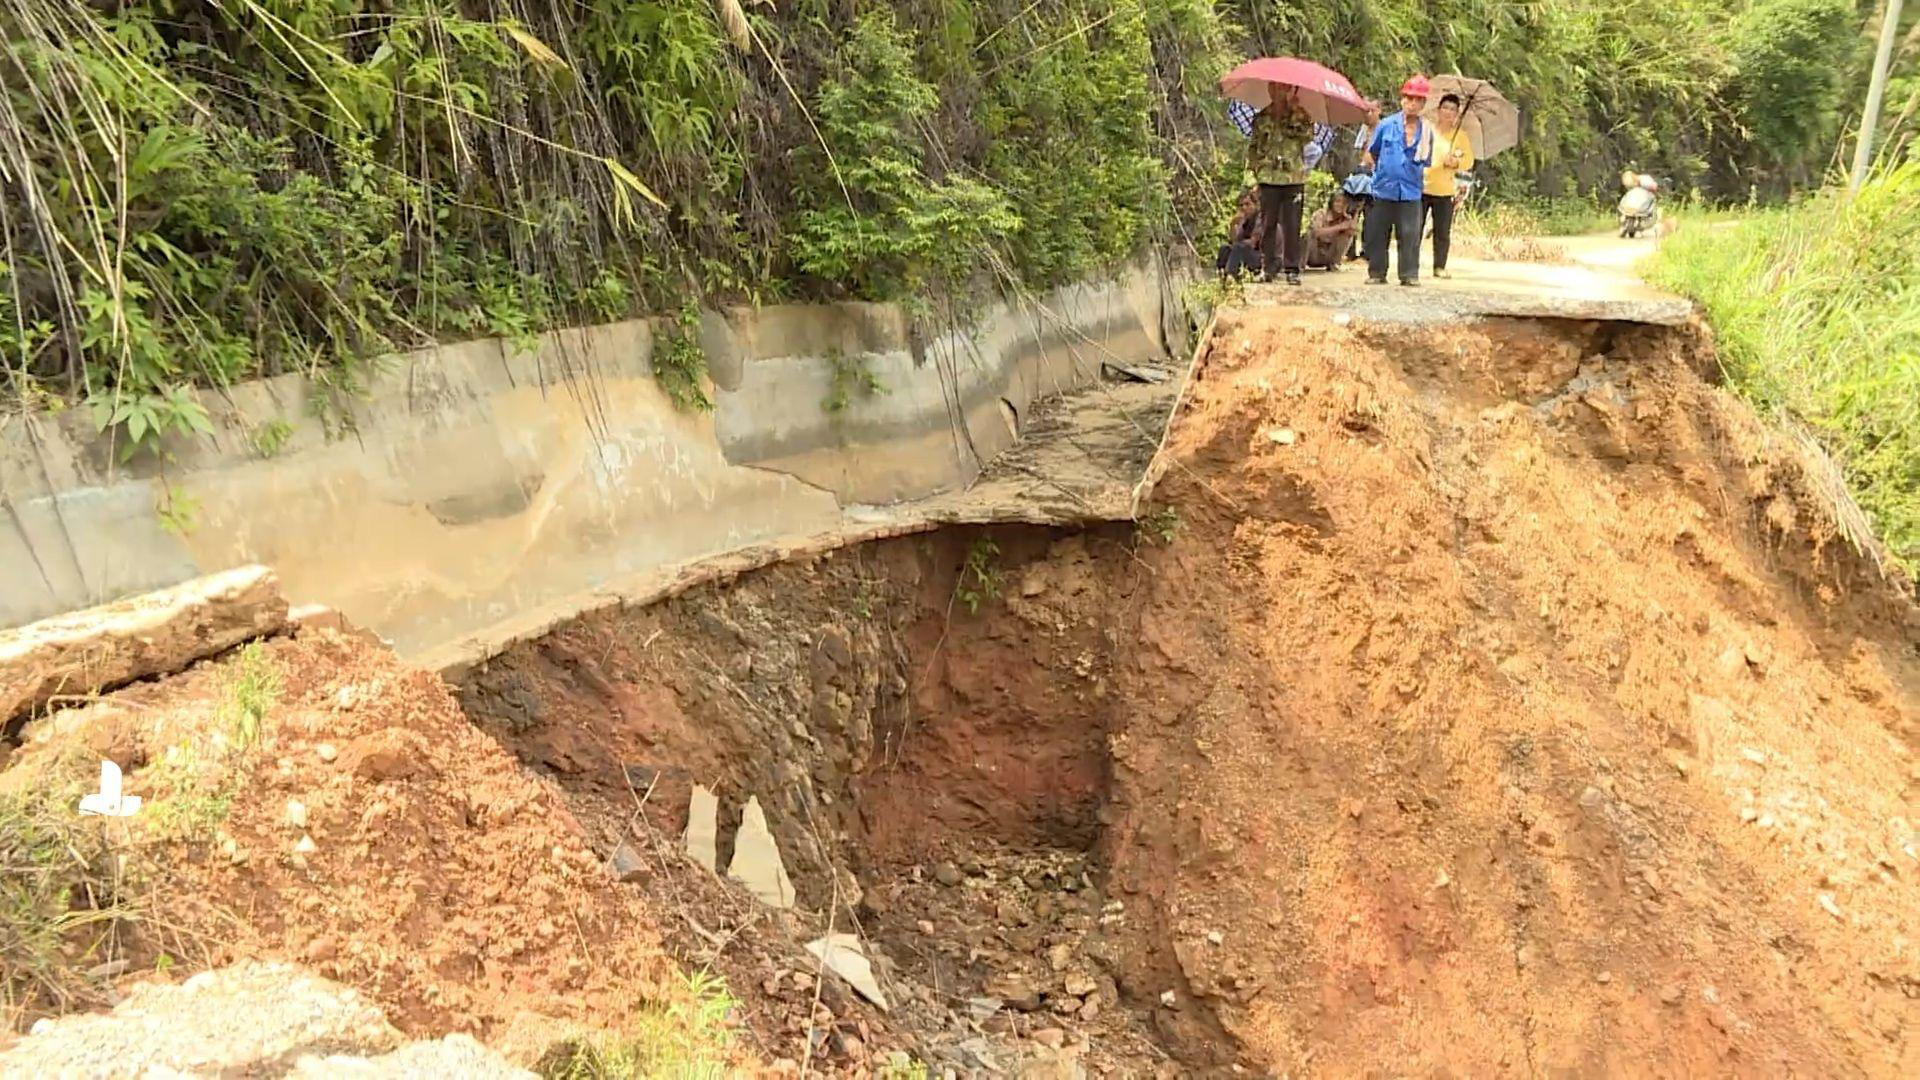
x=1638, y=207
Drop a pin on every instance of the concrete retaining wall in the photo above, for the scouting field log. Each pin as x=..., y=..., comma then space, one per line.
x=472, y=486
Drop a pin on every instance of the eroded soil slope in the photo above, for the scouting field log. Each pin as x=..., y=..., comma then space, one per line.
x=1511, y=709
x=367, y=832
x=1487, y=700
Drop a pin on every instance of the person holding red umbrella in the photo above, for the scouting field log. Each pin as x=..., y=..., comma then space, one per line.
x=1290, y=96
x=1277, y=157
x=1400, y=151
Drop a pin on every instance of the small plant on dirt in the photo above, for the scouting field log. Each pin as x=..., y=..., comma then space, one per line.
x=254, y=691
x=1162, y=526
x=680, y=364
x=691, y=1036
x=191, y=796
x=852, y=377
x=61, y=900
x=900, y=1066
x=271, y=437
x=196, y=779
x=980, y=577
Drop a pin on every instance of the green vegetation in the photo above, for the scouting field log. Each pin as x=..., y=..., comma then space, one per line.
x=195, y=780
x=177, y=511
x=1521, y=217
x=1817, y=311
x=271, y=437
x=680, y=364
x=202, y=193
x=980, y=576
x=690, y=1038
x=1162, y=526
x=852, y=376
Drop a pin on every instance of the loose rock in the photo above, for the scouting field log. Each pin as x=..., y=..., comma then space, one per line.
x=388, y=754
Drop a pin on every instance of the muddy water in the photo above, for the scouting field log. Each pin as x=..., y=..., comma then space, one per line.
x=1501, y=680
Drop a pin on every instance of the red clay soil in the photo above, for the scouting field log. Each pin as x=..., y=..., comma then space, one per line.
x=1507, y=710
x=1502, y=704
x=445, y=883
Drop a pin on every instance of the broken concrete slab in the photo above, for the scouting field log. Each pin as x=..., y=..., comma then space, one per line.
x=1135, y=372
x=703, y=828
x=99, y=648
x=756, y=859
x=189, y=1028
x=298, y=1025
x=845, y=956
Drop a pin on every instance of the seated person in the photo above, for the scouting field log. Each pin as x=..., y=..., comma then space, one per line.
x=1241, y=253
x=1329, y=233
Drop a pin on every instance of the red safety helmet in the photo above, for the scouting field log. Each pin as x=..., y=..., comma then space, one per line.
x=1417, y=86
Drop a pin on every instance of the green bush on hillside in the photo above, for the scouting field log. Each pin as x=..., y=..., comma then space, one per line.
x=200, y=193
x=1817, y=310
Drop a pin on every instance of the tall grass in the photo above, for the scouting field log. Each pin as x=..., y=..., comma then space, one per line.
x=1817, y=310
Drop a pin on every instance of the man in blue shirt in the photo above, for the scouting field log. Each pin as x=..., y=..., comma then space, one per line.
x=1400, y=151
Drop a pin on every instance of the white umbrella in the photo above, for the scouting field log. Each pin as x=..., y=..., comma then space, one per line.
x=1490, y=120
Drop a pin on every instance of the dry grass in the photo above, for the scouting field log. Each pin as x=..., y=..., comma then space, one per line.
x=64, y=900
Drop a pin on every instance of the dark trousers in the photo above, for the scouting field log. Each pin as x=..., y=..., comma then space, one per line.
x=1280, y=215
x=1440, y=209
x=1401, y=220
x=1237, y=259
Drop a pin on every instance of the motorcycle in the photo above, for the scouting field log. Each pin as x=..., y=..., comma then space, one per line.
x=1640, y=206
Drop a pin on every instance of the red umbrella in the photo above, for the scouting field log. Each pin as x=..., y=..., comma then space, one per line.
x=1327, y=95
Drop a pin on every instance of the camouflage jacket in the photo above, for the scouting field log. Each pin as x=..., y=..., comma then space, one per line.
x=1276, y=153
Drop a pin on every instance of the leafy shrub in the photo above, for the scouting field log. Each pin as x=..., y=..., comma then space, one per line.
x=1817, y=312
x=875, y=221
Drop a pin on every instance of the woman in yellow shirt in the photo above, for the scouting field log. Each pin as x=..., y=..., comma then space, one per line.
x=1452, y=155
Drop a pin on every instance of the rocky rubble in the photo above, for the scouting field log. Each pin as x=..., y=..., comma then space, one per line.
x=251, y=1019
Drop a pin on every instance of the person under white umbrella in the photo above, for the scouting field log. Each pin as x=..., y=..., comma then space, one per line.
x=1472, y=122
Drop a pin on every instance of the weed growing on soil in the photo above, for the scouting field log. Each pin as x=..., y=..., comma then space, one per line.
x=901, y=1067
x=1162, y=526
x=1816, y=315
x=689, y=1038
x=1211, y=294
x=59, y=898
x=196, y=779
x=254, y=690
x=1536, y=217
x=980, y=577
